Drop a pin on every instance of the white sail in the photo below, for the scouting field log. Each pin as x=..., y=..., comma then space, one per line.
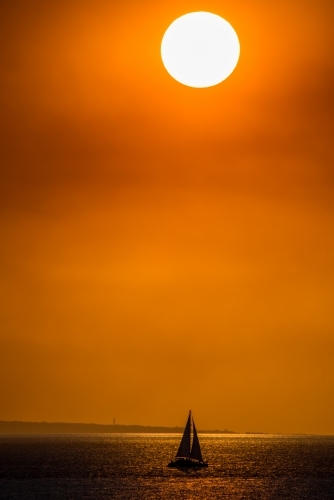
x=196, y=449
x=184, y=448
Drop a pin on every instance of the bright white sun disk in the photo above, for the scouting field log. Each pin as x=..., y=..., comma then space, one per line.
x=200, y=49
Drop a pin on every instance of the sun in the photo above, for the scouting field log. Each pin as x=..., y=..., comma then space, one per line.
x=200, y=49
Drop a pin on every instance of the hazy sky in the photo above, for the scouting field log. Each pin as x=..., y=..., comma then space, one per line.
x=162, y=247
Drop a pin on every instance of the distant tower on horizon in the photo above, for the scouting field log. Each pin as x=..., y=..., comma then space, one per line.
x=114, y=421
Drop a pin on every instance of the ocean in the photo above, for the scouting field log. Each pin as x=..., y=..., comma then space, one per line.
x=134, y=466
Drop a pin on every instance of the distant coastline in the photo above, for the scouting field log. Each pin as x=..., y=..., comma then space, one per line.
x=17, y=427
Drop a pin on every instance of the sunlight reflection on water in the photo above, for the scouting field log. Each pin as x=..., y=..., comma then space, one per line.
x=134, y=466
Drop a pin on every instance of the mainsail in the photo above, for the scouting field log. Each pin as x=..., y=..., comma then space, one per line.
x=196, y=449
x=184, y=448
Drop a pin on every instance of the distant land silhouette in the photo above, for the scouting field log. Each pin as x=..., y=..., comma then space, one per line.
x=16, y=427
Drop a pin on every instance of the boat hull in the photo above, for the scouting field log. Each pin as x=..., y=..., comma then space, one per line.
x=187, y=463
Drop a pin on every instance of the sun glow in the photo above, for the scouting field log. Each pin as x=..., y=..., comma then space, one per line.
x=200, y=49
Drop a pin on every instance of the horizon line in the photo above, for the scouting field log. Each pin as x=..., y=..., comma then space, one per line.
x=159, y=429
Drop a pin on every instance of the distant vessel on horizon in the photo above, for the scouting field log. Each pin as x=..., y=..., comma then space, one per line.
x=189, y=455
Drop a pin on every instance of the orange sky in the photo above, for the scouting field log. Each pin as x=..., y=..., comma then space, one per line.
x=162, y=247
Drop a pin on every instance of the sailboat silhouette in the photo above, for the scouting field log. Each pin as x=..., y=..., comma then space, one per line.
x=189, y=455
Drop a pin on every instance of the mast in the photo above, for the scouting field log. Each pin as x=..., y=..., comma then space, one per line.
x=191, y=420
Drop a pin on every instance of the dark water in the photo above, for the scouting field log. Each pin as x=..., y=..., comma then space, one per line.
x=104, y=466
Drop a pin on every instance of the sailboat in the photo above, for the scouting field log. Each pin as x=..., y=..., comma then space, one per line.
x=189, y=455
